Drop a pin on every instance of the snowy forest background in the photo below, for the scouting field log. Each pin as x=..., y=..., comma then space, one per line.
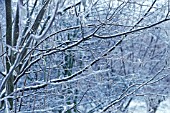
x=88, y=56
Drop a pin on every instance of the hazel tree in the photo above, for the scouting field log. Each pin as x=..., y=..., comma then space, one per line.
x=83, y=56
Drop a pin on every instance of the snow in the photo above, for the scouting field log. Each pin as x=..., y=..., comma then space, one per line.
x=164, y=107
x=139, y=106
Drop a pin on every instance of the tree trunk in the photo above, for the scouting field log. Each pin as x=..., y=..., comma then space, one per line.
x=9, y=83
